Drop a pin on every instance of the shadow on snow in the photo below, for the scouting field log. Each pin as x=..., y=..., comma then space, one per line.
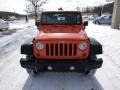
x=62, y=81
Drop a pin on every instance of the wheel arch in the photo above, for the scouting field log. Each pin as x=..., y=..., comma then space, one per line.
x=95, y=47
x=27, y=49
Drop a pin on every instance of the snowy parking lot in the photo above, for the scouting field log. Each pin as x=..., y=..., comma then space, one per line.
x=18, y=24
x=14, y=77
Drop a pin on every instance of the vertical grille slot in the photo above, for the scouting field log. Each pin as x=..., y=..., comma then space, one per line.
x=52, y=49
x=61, y=49
x=56, y=49
x=65, y=49
x=70, y=49
x=47, y=49
x=75, y=49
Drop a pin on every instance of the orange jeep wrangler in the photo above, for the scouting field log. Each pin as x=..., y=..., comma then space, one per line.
x=61, y=45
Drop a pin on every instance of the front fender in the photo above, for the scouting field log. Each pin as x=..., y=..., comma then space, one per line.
x=95, y=47
x=27, y=49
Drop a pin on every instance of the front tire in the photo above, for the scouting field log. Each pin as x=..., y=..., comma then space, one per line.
x=30, y=71
x=93, y=71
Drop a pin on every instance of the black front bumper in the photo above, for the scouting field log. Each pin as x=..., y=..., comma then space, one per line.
x=74, y=65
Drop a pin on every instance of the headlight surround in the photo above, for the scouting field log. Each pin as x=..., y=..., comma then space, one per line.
x=39, y=46
x=83, y=45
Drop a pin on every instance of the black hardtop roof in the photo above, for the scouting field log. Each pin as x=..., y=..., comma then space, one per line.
x=61, y=11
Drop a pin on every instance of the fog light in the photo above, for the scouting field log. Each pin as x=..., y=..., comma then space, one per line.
x=50, y=68
x=72, y=68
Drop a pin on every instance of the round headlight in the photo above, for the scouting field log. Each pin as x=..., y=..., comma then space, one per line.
x=83, y=45
x=39, y=46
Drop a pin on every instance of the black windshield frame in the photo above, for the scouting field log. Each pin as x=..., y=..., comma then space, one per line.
x=76, y=14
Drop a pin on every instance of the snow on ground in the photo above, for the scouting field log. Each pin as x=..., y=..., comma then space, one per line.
x=110, y=39
x=13, y=77
x=14, y=41
x=18, y=24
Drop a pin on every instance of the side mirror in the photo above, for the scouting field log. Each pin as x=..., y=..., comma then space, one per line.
x=85, y=23
x=37, y=23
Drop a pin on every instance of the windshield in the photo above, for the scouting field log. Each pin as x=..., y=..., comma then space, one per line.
x=58, y=18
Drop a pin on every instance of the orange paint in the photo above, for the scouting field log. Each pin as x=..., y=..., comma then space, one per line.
x=59, y=37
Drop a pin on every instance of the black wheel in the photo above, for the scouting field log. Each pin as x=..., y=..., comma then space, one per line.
x=93, y=71
x=30, y=71
x=97, y=22
x=109, y=24
x=90, y=72
x=30, y=57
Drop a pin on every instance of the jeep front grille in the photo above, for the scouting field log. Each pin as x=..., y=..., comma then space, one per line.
x=61, y=49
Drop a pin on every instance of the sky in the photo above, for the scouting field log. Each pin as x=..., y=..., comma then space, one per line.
x=13, y=5
x=20, y=5
x=72, y=4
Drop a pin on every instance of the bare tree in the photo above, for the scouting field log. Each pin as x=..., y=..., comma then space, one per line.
x=33, y=6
